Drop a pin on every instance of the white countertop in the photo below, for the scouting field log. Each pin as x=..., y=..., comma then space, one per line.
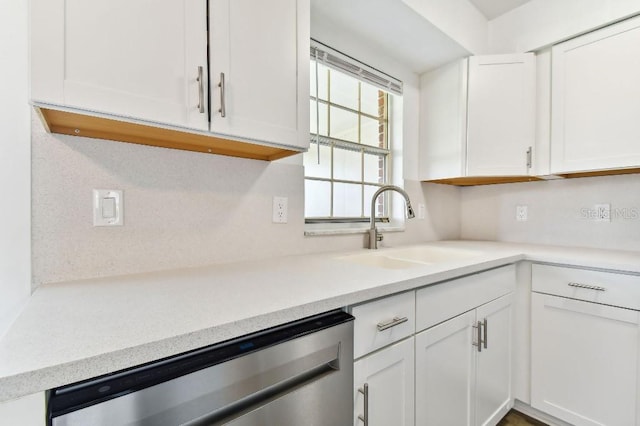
x=77, y=330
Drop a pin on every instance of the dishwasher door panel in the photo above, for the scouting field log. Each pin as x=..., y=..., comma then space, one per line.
x=305, y=380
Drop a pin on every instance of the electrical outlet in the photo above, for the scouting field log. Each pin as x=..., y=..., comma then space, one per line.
x=280, y=214
x=522, y=213
x=603, y=212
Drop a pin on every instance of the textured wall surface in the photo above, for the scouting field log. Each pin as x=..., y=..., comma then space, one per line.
x=182, y=209
x=559, y=212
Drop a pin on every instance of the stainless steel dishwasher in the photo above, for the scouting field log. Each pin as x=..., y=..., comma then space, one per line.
x=300, y=373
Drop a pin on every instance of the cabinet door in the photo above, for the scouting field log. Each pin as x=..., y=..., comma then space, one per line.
x=260, y=51
x=137, y=59
x=445, y=367
x=389, y=375
x=595, y=100
x=443, y=118
x=25, y=411
x=584, y=361
x=493, y=368
x=501, y=114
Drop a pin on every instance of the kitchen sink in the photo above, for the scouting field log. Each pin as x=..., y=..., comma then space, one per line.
x=430, y=254
x=408, y=257
x=380, y=261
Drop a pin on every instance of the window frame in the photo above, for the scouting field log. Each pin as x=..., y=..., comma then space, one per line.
x=383, y=203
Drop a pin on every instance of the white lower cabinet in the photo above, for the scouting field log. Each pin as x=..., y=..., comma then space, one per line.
x=456, y=371
x=463, y=368
x=383, y=386
x=493, y=365
x=444, y=372
x=585, y=355
x=384, y=368
x=25, y=411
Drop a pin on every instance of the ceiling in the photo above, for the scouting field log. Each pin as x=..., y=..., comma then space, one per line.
x=493, y=8
x=394, y=29
x=389, y=26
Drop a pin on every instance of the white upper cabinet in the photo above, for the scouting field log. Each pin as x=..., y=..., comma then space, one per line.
x=596, y=100
x=501, y=114
x=149, y=72
x=260, y=70
x=136, y=59
x=477, y=118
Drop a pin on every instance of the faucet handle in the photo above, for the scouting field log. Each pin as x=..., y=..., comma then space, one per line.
x=379, y=236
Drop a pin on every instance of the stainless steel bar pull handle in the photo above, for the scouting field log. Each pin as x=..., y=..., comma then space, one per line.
x=478, y=330
x=391, y=323
x=200, y=91
x=529, y=157
x=365, y=416
x=484, y=341
x=587, y=286
x=223, y=109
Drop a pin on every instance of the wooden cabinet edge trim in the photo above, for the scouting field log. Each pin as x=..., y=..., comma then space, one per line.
x=594, y=173
x=493, y=180
x=483, y=180
x=91, y=126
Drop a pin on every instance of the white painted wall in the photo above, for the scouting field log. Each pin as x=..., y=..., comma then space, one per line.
x=15, y=170
x=542, y=22
x=558, y=212
x=459, y=19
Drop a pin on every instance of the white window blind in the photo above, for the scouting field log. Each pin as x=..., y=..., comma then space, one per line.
x=341, y=62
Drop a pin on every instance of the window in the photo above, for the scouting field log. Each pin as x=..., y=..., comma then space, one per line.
x=350, y=153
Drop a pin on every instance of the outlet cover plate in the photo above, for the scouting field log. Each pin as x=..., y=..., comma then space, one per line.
x=603, y=212
x=522, y=213
x=280, y=207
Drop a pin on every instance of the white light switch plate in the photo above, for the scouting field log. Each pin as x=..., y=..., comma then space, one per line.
x=108, y=209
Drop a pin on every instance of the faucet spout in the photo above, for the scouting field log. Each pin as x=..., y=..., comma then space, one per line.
x=374, y=235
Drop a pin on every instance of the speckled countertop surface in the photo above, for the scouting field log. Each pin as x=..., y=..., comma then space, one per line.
x=77, y=330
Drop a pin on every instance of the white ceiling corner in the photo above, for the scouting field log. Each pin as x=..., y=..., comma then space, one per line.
x=392, y=27
x=493, y=8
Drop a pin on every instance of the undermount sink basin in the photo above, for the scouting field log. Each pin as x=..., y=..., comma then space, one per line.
x=408, y=257
x=428, y=254
x=380, y=261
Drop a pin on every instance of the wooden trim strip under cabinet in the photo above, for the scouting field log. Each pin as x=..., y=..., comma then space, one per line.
x=484, y=180
x=601, y=173
x=491, y=180
x=75, y=124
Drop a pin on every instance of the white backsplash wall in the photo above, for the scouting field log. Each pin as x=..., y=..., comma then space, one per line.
x=181, y=209
x=558, y=212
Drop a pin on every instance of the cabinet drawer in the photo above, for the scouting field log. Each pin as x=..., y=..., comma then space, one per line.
x=439, y=302
x=609, y=288
x=383, y=322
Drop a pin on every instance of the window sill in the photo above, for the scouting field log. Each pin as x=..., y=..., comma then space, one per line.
x=333, y=229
